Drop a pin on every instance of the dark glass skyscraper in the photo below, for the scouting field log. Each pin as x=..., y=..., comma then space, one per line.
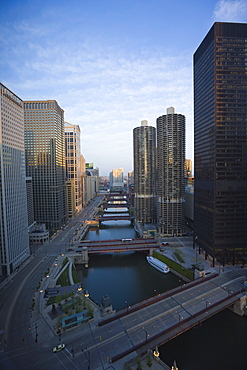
x=45, y=161
x=144, y=140
x=220, y=114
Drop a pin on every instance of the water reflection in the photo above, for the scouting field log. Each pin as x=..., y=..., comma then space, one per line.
x=124, y=277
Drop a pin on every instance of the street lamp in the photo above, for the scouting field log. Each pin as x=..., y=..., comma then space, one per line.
x=87, y=355
x=146, y=334
x=174, y=366
x=156, y=352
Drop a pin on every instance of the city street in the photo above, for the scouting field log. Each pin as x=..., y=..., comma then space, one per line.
x=20, y=342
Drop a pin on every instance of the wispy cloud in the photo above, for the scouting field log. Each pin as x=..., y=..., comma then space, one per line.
x=230, y=11
x=103, y=88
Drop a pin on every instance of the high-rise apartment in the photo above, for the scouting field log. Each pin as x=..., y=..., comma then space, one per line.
x=170, y=173
x=220, y=111
x=14, y=242
x=73, y=168
x=144, y=145
x=45, y=161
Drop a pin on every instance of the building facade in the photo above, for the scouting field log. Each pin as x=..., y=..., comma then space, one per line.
x=220, y=113
x=14, y=241
x=45, y=161
x=73, y=168
x=117, y=179
x=144, y=148
x=170, y=173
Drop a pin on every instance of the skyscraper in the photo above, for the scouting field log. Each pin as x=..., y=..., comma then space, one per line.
x=144, y=143
x=45, y=161
x=220, y=106
x=73, y=167
x=14, y=242
x=170, y=173
x=116, y=178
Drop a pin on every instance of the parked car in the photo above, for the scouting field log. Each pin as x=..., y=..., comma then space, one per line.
x=58, y=348
x=165, y=243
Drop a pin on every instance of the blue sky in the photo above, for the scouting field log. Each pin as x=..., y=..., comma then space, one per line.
x=108, y=63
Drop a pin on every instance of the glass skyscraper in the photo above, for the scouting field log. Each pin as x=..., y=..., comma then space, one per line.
x=144, y=145
x=220, y=114
x=14, y=241
x=171, y=173
x=45, y=161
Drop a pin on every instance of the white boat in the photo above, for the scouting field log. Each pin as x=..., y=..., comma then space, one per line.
x=161, y=266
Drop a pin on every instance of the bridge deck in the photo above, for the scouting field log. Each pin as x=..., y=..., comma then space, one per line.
x=157, y=323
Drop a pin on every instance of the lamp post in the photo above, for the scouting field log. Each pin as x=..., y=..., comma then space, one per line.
x=87, y=355
x=146, y=334
x=156, y=352
x=174, y=366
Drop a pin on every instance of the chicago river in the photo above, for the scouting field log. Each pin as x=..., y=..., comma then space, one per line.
x=127, y=278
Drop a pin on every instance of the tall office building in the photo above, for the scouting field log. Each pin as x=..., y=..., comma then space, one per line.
x=73, y=168
x=170, y=173
x=14, y=242
x=220, y=113
x=144, y=145
x=45, y=161
x=117, y=179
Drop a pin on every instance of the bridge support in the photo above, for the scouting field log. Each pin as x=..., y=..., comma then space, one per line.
x=240, y=307
x=84, y=255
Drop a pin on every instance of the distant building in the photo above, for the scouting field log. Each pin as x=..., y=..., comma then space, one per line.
x=45, y=161
x=220, y=111
x=144, y=145
x=130, y=180
x=14, y=241
x=117, y=179
x=73, y=168
x=170, y=173
x=188, y=168
x=91, y=183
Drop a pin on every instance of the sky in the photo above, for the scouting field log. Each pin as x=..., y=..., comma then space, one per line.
x=109, y=63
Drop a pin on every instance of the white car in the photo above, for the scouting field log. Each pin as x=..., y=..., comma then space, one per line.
x=58, y=348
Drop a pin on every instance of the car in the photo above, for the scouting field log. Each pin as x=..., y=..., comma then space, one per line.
x=164, y=243
x=58, y=348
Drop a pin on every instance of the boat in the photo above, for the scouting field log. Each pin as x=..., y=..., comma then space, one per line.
x=159, y=265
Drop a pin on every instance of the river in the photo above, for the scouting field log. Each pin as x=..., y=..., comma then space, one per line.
x=219, y=343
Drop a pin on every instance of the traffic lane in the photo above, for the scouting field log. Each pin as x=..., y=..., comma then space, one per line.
x=90, y=338
x=32, y=357
x=19, y=327
x=146, y=330
x=148, y=313
x=10, y=293
x=109, y=349
x=194, y=292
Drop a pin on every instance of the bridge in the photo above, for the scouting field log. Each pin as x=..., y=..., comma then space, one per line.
x=86, y=248
x=121, y=205
x=118, y=245
x=116, y=218
x=157, y=320
x=116, y=199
